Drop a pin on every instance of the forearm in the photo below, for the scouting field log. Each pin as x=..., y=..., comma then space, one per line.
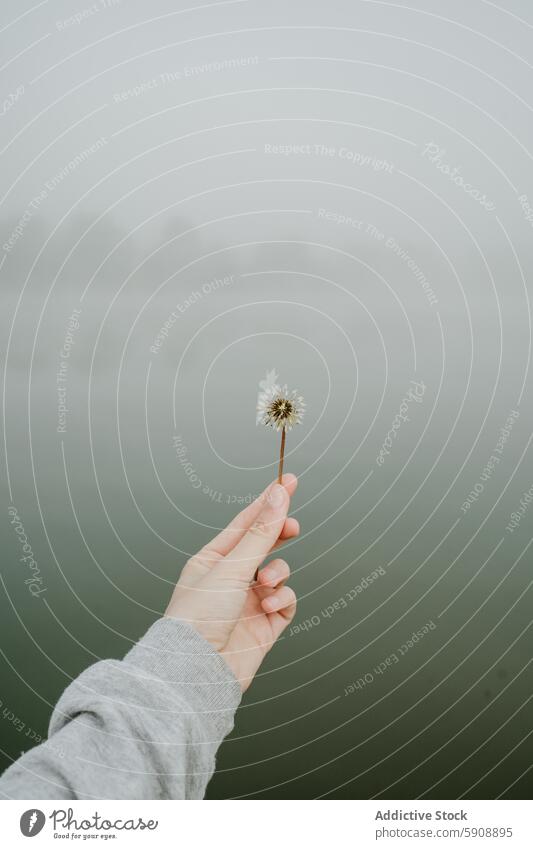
x=146, y=727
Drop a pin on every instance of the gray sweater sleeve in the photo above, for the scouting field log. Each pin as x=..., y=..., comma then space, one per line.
x=146, y=727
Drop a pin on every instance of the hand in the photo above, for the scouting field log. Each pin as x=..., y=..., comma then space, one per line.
x=217, y=594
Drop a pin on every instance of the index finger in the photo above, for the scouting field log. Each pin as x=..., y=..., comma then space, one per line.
x=258, y=540
x=221, y=545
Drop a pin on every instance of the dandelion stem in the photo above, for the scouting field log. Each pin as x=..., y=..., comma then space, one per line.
x=281, y=456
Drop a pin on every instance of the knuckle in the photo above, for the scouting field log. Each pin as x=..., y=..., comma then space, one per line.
x=260, y=529
x=198, y=563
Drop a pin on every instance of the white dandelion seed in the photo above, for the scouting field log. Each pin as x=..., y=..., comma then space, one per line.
x=280, y=407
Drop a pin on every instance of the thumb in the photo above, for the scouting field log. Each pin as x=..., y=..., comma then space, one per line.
x=250, y=552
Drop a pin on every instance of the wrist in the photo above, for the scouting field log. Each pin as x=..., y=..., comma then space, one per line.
x=239, y=667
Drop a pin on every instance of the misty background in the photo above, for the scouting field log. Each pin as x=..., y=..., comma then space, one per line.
x=192, y=196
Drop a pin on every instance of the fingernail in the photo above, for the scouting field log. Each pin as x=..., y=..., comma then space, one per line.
x=278, y=495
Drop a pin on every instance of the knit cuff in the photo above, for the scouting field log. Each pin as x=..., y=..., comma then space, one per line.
x=174, y=652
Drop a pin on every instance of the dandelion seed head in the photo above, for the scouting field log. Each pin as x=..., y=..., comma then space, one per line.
x=279, y=407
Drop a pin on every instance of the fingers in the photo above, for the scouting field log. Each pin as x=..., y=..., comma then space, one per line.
x=275, y=573
x=263, y=532
x=290, y=529
x=277, y=600
x=227, y=539
x=282, y=601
